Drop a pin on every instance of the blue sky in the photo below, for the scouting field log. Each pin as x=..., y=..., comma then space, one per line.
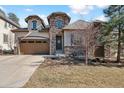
x=84, y=12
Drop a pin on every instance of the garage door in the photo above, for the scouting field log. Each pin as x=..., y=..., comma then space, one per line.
x=34, y=47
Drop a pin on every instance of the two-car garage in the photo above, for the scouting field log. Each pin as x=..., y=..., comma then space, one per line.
x=34, y=47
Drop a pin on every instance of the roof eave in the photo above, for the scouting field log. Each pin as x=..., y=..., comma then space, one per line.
x=10, y=22
x=19, y=31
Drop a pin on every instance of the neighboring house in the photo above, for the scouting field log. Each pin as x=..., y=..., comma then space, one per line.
x=57, y=37
x=6, y=36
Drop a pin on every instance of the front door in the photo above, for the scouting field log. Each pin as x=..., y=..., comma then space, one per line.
x=58, y=42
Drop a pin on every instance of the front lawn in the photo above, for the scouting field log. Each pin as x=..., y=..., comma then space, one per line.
x=54, y=75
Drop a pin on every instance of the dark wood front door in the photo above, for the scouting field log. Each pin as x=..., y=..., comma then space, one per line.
x=58, y=42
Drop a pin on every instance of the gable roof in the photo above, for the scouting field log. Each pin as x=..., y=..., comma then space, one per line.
x=35, y=16
x=5, y=18
x=79, y=24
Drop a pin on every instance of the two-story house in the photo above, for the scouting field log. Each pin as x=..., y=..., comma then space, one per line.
x=59, y=36
x=6, y=36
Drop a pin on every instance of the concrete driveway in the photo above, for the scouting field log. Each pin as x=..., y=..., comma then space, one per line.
x=16, y=70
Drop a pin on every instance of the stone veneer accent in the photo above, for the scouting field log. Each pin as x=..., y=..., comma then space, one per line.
x=74, y=50
x=54, y=31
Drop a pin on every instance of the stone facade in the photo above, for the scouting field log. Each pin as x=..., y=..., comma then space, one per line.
x=72, y=36
x=55, y=31
x=74, y=50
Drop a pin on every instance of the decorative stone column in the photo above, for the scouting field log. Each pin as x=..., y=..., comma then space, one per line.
x=52, y=41
x=53, y=32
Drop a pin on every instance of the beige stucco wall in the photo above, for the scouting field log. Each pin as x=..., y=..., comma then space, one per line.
x=3, y=30
x=67, y=38
x=19, y=34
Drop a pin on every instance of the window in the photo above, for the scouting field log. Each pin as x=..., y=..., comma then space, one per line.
x=5, y=25
x=38, y=41
x=34, y=25
x=76, y=38
x=10, y=25
x=23, y=41
x=59, y=24
x=44, y=41
x=41, y=41
x=30, y=41
x=5, y=38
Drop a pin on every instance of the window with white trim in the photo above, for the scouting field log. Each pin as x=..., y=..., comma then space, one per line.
x=5, y=25
x=5, y=38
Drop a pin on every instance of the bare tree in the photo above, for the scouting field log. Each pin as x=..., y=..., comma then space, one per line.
x=91, y=34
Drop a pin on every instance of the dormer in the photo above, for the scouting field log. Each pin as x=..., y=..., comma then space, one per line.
x=35, y=23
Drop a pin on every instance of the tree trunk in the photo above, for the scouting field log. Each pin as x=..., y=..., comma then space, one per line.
x=86, y=59
x=119, y=45
x=87, y=45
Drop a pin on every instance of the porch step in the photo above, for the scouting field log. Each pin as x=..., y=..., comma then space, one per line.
x=60, y=55
x=59, y=52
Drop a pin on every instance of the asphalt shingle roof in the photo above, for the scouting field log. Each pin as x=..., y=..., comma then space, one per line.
x=35, y=38
x=79, y=24
x=34, y=35
x=8, y=20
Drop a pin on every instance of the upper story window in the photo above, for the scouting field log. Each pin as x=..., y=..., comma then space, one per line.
x=34, y=25
x=5, y=38
x=5, y=25
x=10, y=25
x=59, y=24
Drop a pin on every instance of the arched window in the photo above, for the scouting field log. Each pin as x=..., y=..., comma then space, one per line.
x=59, y=24
x=34, y=25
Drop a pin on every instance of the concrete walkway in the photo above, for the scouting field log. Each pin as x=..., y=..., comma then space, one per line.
x=16, y=70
